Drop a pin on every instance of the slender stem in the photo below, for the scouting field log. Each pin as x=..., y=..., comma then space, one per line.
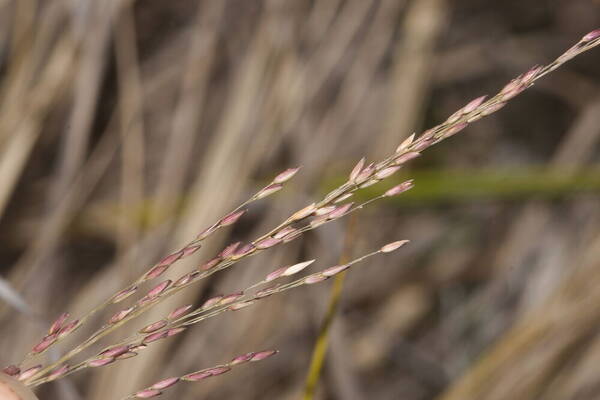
x=320, y=349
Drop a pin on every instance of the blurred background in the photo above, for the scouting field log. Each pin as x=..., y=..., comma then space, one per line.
x=127, y=127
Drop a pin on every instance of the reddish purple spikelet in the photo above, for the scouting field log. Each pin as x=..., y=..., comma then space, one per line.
x=147, y=393
x=28, y=373
x=244, y=251
x=286, y=175
x=189, y=250
x=207, y=232
x=284, y=232
x=115, y=351
x=156, y=271
x=324, y=210
x=405, y=144
x=473, y=104
x=340, y=211
x=242, y=359
x=229, y=250
x=231, y=298
x=185, y=279
x=125, y=293
x=365, y=174
x=175, y=331
x=275, y=274
x=393, y=246
x=356, y=170
x=100, y=362
x=492, y=109
x=422, y=144
x=154, y=337
x=171, y=258
x=44, y=344
x=11, y=370
x=343, y=197
x=316, y=278
x=266, y=292
x=593, y=35
x=261, y=355
x=231, y=218
x=269, y=190
x=70, y=327
x=218, y=371
x=154, y=326
x=58, y=372
x=165, y=383
x=119, y=316
x=239, y=306
x=291, y=236
x=211, y=302
x=210, y=264
x=456, y=128
x=196, y=376
x=179, y=312
x=401, y=188
x=127, y=355
x=386, y=172
x=335, y=270
x=268, y=242
x=158, y=289
x=56, y=325
x=303, y=213
x=403, y=158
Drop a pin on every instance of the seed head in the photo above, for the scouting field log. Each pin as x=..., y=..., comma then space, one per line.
x=388, y=248
x=210, y=264
x=100, y=362
x=405, y=144
x=165, y=383
x=115, y=351
x=158, y=289
x=153, y=337
x=12, y=370
x=389, y=171
x=179, y=312
x=28, y=373
x=268, y=242
x=261, y=355
x=239, y=306
x=401, y=188
x=44, y=344
x=211, y=302
x=125, y=293
x=286, y=175
x=593, y=35
x=473, y=104
x=156, y=271
x=56, y=325
x=70, y=327
x=154, y=326
x=119, y=316
x=147, y=393
x=242, y=358
x=331, y=271
x=269, y=190
x=403, y=158
x=229, y=250
x=356, y=170
x=231, y=218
